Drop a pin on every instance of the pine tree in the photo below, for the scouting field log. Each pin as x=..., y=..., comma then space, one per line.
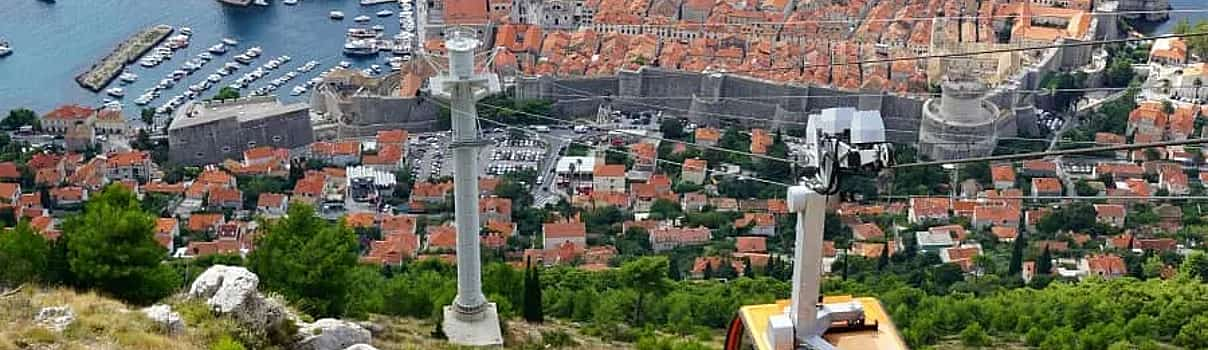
x=1016, y=265
x=708, y=274
x=529, y=291
x=1044, y=265
x=746, y=269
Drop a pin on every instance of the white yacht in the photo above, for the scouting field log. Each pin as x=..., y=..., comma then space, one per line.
x=128, y=77
x=289, y=2
x=218, y=49
x=230, y=41
x=336, y=15
x=5, y=48
x=360, y=47
x=385, y=13
x=116, y=92
x=361, y=18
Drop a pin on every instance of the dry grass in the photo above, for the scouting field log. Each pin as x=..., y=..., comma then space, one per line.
x=100, y=323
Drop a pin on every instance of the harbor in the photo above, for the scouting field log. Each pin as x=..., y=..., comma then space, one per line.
x=103, y=72
x=38, y=75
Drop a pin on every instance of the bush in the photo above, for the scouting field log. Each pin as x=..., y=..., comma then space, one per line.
x=974, y=336
x=226, y=343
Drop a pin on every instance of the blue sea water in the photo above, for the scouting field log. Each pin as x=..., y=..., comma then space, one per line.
x=54, y=42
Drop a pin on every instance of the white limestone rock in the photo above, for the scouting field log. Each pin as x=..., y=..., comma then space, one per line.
x=169, y=321
x=226, y=288
x=361, y=347
x=331, y=334
x=55, y=318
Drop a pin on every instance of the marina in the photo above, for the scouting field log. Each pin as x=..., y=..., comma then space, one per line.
x=37, y=76
x=110, y=66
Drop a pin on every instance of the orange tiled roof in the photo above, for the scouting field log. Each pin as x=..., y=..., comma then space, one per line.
x=565, y=230
x=70, y=112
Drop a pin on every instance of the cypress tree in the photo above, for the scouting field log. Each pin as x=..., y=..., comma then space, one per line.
x=1016, y=265
x=529, y=290
x=537, y=310
x=708, y=274
x=884, y=260
x=746, y=269
x=1044, y=265
x=673, y=269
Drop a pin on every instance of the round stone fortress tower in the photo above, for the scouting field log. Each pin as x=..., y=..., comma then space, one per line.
x=961, y=123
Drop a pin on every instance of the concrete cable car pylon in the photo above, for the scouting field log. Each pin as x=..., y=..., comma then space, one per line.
x=471, y=320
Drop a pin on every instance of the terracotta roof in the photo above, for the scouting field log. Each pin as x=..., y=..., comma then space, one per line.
x=1106, y=265
x=44, y=160
x=397, y=136
x=1110, y=210
x=751, y=244
x=996, y=214
x=695, y=164
x=610, y=170
x=1040, y=165
x=466, y=12
x=263, y=152
x=8, y=170
x=158, y=186
x=398, y=223
x=930, y=206
x=442, y=237
x=311, y=185
x=225, y=196
x=1107, y=138
x=9, y=190
x=564, y=230
x=1002, y=172
x=70, y=193
x=1004, y=233
x=867, y=231
x=495, y=204
x=759, y=219
x=778, y=206
x=270, y=200
x=204, y=221
x=131, y=158
x=1162, y=244
x=707, y=134
x=70, y=112
x=360, y=220
x=1046, y=185
x=505, y=228
x=346, y=148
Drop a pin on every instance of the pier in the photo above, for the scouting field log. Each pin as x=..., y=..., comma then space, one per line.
x=103, y=72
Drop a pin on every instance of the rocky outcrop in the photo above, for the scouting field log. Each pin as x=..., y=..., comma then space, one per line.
x=331, y=334
x=231, y=290
x=55, y=318
x=167, y=320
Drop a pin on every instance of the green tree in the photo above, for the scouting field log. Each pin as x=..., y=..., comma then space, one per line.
x=226, y=93
x=1196, y=265
x=24, y=253
x=111, y=247
x=307, y=260
x=20, y=117
x=672, y=128
x=646, y=276
x=1194, y=335
x=883, y=261
x=663, y=209
x=975, y=336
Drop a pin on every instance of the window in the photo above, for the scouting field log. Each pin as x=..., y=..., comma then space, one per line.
x=277, y=138
x=251, y=144
x=226, y=149
x=200, y=155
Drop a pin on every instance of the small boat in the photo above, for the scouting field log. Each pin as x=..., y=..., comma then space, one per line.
x=284, y=58
x=218, y=49
x=186, y=30
x=361, y=19
x=243, y=58
x=128, y=77
x=289, y=2
x=116, y=92
x=298, y=90
x=336, y=15
x=360, y=47
x=5, y=48
x=205, y=56
x=254, y=52
x=378, y=28
x=230, y=42
x=345, y=64
x=385, y=13
x=214, y=78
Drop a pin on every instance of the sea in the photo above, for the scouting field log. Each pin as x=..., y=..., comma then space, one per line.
x=55, y=41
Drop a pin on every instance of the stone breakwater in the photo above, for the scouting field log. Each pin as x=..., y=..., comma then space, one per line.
x=103, y=72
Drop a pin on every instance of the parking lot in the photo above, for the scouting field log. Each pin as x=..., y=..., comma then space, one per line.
x=429, y=155
x=509, y=155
